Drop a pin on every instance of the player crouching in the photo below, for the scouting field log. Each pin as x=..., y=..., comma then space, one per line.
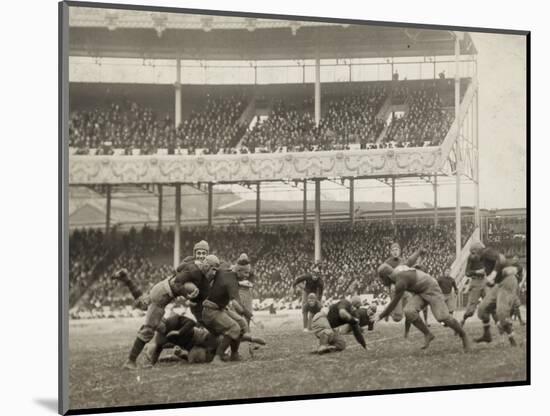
x=324, y=324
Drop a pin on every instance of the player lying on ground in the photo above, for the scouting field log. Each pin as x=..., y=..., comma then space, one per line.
x=502, y=283
x=425, y=291
x=186, y=284
x=313, y=284
x=324, y=324
x=180, y=331
x=221, y=320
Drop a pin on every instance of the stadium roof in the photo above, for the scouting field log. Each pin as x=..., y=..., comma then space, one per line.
x=144, y=34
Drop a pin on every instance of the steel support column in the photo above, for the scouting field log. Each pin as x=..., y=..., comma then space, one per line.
x=177, y=226
x=210, y=203
x=436, y=213
x=352, y=201
x=108, y=210
x=305, y=202
x=177, y=95
x=458, y=172
x=317, y=91
x=258, y=207
x=159, y=225
x=317, y=220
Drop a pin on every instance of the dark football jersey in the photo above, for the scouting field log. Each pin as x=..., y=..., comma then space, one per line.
x=333, y=315
x=315, y=308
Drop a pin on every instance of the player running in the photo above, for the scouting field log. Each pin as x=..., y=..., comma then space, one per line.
x=502, y=286
x=425, y=291
x=448, y=285
x=313, y=284
x=477, y=283
x=324, y=324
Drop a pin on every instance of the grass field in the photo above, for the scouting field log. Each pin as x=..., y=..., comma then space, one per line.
x=285, y=366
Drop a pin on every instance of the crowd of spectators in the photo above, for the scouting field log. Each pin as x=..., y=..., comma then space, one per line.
x=508, y=234
x=127, y=126
x=87, y=250
x=426, y=121
x=347, y=120
x=351, y=255
x=217, y=125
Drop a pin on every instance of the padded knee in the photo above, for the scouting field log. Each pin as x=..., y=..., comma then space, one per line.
x=234, y=332
x=411, y=315
x=339, y=342
x=146, y=333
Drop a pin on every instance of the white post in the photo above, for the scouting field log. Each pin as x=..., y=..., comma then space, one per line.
x=352, y=201
x=258, y=208
x=210, y=203
x=305, y=202
x=317, y=91
x=393, y=203
x=436, y=219
x=108, y=211
x=177, y=226
x=159, y=226
x=458, y=218
x=317, y=220
x=476, y=152
x=177, y=96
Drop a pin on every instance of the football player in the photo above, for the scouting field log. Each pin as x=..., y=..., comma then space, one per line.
x=502, y=286
x=425, y=291
x=186, y=284
x=219, y=318
x=477, y=283
x=324, y=325
x=184, y=333
x=393, y=261
x=313, y=284
x=447, y=285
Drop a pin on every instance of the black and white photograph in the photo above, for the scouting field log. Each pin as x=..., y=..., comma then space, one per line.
x=267, y=207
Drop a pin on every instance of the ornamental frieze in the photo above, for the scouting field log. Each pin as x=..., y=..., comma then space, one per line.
x=253, y=167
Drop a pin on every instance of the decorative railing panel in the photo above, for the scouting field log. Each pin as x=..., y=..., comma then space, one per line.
x=253, y=167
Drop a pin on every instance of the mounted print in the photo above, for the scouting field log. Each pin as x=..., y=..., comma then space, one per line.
x=267, y=208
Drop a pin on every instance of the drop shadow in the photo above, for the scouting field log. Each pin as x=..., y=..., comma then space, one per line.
x=49, y=404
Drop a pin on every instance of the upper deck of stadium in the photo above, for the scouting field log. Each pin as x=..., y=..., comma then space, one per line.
x=139, y=34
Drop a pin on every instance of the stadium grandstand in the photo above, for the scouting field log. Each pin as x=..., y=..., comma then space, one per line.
x=169, y=127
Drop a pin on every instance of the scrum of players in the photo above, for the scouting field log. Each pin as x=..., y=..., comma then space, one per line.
x=219, y=297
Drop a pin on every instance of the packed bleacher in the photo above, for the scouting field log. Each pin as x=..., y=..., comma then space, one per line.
x=508, y=234
x=355, y=118
x=426, y=121
x=127, y=126
x=279, y=254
